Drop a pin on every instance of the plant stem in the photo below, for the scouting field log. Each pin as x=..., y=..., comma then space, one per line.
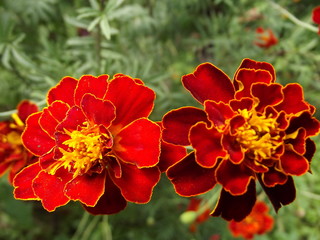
x=99, y=40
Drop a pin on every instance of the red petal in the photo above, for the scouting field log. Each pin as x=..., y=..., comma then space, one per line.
x=110, y=202
x=37, y=141
x=306, y=121
x=293, y=163
x=189, y=178
x=23, y=182
x=90, y=84
x=218, y=113
x=74, y=118
x=136, y=184
x=246, y=77
x=50, y=189
x=316, y=15
x=298, y=142
x=235, y=208
x=63, y=91
x=208, y=82
x=86, y=188
x=170, y=154
x=273, y=177
x=234, y=178
x=131, y=100
x=26, y=108
x=267, y=95
x=243, y=103
x=207, y=145
x=280, y=194
x=178, y=122
x=233, y=148
x=139, y=143
x=98, y=111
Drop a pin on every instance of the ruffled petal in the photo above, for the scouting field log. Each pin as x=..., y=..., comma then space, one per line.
x=273, y=177
x=218, y=113
x=139, y=143
x=136, y=184
x=236, y=155
x=26, y=108
x=50, y=189
x=235, y=208
x=131, y=100
x=97, y=86
x=207, y=145
x=268, y=95
x=208, y=82
x=110, y=202
x=74, y=118
x=23, y=182
x=98, y=111
x=306, y=121
x=280, y=194
x=177, y=124
x=34, y=138
x=235, y=179
x=63, y=91
x=170, y=154
x=189, y=178
x=293, y=163
x=86, y=188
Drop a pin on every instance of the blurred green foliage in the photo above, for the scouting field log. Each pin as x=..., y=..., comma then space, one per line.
x=42, y=41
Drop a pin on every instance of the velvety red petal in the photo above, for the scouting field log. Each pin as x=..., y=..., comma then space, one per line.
x=170, y=154
x=293, y=101
x=63, y=91
x=267, y=95
x=310, y=150
x=110, y=202
x=293, y=163
x=26, y=108
x=208, y=82
x=34, y=138
x=189, y=178
x=305, y=120
x=235, y=208
x=23, y=182
x=246, y=77
x=86, y=188
x=136, y=184
x=177, y=124
x=298, y=142
x=240, y=104
x=316, y=15
x=207, y=145
x=273, y=177
x=50, y=189
x=47, y=160
x=280, y=194
x=74, y=118
x=98, y=111
x=139, y=143
x=97, y=86
x=234, y=178
x=131, y=100
x=218, y=113
x=233, y=148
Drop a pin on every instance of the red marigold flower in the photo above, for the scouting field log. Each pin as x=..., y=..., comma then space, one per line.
x=250, y=129
x=316, y=16
x=13, y=155
x=265, y=38
x=257, y=222
x=95, y=144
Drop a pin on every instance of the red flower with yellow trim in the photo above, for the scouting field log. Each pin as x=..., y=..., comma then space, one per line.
x=316, y=16
x=265, y=38
x=13, y=155
x=95, y=144
x=257, y=222
x=250, y=129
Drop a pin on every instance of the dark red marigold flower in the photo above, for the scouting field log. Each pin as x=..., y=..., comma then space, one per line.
x=250, y=129
x=265, y=38
x=13, y=155
x=316, y=16
x=257, y=222
x=95, y=144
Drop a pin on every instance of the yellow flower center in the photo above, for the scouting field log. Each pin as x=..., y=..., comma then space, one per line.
x=258, y=136
x=87, y=147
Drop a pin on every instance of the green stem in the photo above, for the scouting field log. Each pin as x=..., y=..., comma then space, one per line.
x=286, y=13
x=99, y=41
x=81, y=226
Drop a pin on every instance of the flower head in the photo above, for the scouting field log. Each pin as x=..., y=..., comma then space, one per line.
x=265, y=38
x=250, y=129
x=316, y=16
x=95, y=144
x=257, y=222
x=13, y=155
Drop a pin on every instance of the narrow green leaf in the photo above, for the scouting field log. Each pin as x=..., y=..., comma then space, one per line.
x=105, y=27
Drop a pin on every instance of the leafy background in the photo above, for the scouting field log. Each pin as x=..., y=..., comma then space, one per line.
x=42, y=41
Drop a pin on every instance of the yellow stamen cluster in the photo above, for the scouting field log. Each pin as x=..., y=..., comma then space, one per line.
x=257, y=136
x=86, y=148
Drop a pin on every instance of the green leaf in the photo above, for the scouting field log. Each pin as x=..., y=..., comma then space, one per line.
x=93, y=24
x=105, y=27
